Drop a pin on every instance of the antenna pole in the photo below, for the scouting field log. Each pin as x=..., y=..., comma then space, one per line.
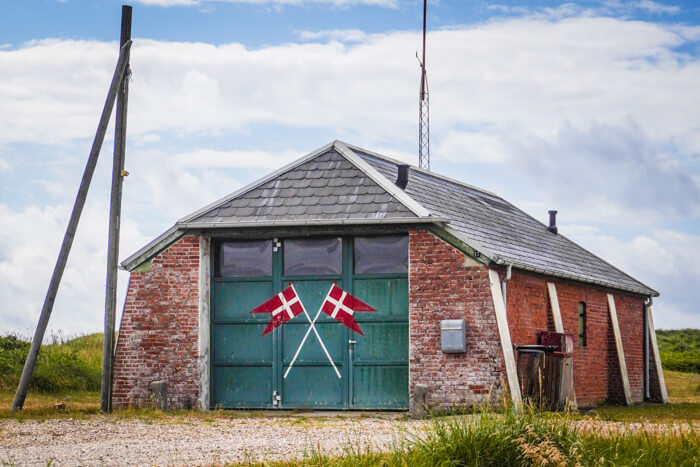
x=424, y=106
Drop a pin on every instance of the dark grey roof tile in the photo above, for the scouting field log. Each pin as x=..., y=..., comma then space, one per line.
x=318, y=183
x=328, y=200
x=505, y=230
x=309, y=201
x=291, y=201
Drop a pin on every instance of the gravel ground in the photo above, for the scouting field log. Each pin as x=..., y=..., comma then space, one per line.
x=102, y=440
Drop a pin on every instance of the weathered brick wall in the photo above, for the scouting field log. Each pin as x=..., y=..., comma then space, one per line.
x=596, y=368
x=446, y=284
x=158, y=336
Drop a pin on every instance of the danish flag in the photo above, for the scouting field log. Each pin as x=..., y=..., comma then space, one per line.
x=283, y=306
x=341, y=306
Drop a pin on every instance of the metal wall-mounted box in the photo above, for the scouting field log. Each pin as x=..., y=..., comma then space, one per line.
x=453, y=337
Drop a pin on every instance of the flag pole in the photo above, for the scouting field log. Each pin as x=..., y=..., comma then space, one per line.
x=312, y=327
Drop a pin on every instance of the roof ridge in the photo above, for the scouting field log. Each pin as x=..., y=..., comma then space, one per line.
x=256, y=183
x=400, y=195
x=419, y=170
x=565, y=238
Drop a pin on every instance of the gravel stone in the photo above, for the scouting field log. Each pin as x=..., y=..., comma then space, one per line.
x=103, y=440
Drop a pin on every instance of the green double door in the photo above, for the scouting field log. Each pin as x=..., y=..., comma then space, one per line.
x=249, y=370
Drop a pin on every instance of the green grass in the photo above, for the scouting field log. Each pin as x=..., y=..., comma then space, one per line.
x=531, y=439
x=62, y=366
x=680, y=349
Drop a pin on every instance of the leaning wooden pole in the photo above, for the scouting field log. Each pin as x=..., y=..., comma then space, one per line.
x=50, y=298
x=115, y=207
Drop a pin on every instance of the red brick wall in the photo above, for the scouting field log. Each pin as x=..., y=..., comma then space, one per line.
x=158, y=336
x=443, y=286
x=596, y=368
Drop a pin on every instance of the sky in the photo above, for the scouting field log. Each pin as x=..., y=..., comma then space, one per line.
x=587, y=107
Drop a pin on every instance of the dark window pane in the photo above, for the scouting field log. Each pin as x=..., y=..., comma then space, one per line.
x=245, y=259
x=582, y=324
x=312, y=257
x=377, y=255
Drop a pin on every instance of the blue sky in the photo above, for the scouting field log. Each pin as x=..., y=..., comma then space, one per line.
x=587, y=107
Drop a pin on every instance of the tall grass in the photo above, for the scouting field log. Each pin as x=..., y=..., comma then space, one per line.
x=66, y=364
x=529, y=439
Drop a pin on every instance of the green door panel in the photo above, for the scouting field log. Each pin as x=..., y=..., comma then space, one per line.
x=312, y=294
x=248, y=369
x=234, y=300
x=242, y=386
x=388, y=296
x=312, y=382
x=380, y=387
x=332, y=335
x=241, y=343
x=313, y=386
x=382, y=343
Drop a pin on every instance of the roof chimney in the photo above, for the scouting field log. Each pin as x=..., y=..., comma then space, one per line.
x=402, y=176
x=553, y=222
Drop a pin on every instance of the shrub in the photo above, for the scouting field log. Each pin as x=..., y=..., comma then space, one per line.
x=70, y=365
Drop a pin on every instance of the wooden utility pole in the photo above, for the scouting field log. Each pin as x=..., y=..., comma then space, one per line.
x=115, y=207
x=68, y=237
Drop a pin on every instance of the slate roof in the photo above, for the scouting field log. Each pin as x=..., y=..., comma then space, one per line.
x=503, y=232
x=344, y=184
x=327, y=187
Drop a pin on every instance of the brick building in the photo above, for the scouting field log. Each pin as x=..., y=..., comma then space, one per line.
x=408, y=249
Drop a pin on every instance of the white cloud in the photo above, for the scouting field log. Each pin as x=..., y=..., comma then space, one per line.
x=605, y=107
x=655, y=7
x=207, y=158
x=28, y=251
x=666, y=260
x=4, y=166
x=472, y=147
x=606, y=173
x=342, y=35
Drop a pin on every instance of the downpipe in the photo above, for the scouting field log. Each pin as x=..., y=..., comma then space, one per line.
x=503, y=284
x=647, y=385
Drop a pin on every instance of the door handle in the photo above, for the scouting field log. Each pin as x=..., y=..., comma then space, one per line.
x=352, y=342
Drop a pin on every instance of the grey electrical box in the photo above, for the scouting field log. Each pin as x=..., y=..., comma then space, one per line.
x=453, y=336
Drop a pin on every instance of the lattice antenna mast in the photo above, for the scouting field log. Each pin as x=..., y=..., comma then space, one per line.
x=424, y=108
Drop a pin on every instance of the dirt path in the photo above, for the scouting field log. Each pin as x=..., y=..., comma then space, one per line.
x=105, y=441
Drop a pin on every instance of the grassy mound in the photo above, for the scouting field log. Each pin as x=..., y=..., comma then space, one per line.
x=71, y=365
x=680, y=350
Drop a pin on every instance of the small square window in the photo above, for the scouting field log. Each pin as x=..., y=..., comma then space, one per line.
x=313, y=257
x=381, y=255
x=244, y=259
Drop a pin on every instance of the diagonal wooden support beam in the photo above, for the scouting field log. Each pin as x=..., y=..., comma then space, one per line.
x=559, y=327
x=620, y=350
x=657, y=357
x=506, y=344
x=68, y=237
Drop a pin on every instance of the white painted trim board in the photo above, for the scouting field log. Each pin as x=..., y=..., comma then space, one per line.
x=620, y=350
x=504, y=333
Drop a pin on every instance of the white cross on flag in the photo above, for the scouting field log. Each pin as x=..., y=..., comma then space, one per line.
x=283, y=306
x=341, y=306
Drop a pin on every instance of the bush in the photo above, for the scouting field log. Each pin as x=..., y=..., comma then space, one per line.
x=680, y=349
x=71, y=365
x=687, y=362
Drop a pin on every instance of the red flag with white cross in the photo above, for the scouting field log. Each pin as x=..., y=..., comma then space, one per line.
x=283, y=306
x=342, y=306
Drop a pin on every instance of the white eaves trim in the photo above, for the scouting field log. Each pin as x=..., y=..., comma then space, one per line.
x=155, y=246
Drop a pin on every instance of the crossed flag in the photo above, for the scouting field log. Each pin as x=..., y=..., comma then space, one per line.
x=338, y=304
